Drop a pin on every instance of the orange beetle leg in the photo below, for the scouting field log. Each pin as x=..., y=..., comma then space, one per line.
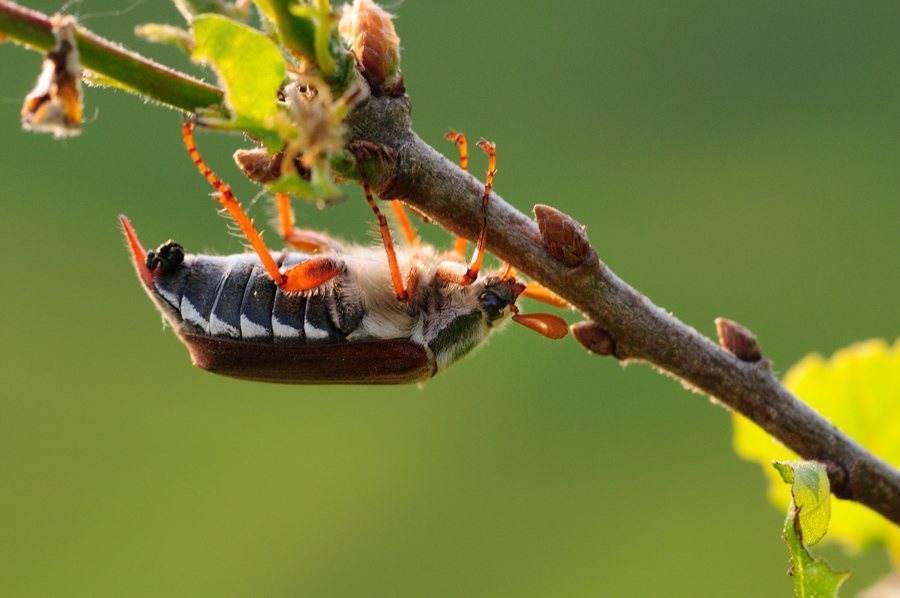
x=400, y=288
x=460, y=140
x=460, y=246
x=458, y=273
x=304, y=239
x=408, y=230
x=535, y=290
x=309, y=274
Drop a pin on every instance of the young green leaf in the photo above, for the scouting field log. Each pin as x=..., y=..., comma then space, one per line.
x=810, y=492
x=309, y=32
x=857, y=389
x=320, y=188
x=806, y=523
x=295, y=33
x=324, y=22
x=251, y=69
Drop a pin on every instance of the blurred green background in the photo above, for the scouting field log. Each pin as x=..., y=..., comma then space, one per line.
x=728, y=158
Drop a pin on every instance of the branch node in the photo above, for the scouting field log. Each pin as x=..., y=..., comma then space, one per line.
x=838, y=478
x=384, y=177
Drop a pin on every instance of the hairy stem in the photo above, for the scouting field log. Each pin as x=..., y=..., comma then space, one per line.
x=136, y=73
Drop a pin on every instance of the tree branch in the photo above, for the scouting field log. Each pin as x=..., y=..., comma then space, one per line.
x=136, y=73
x=432, y=185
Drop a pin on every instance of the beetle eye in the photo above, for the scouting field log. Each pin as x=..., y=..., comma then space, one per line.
x=492, y=305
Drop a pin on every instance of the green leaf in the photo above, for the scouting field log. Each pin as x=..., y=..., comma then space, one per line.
x=807, y=517
x=324, y=23
x=295, y=33
x=310, y=33
x=251, y=69
x=857, y=390
x=320, y=188
x=811, y=495
x=813, y=578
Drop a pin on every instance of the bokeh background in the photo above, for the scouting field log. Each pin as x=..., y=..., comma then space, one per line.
x=728, y=158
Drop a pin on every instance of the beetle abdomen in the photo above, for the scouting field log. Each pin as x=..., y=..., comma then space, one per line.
x=232, y=297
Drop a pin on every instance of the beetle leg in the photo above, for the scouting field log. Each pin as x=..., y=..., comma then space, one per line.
x=466, y=275
x=537, y=291
x=400, y=287
x=304, y=239
x=460, y=140
x=407, y=226
x=303, y=277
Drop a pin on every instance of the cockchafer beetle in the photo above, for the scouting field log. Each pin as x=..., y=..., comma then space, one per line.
x=343, y=315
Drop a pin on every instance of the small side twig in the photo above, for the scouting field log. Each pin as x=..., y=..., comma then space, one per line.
x=136, y=73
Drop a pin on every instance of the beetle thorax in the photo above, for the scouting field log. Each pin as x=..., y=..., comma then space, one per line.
x=449, y=318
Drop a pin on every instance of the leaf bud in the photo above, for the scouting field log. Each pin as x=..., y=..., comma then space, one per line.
x=370, y=33
x=562, y=235
x=593, y=338
x=738, y=340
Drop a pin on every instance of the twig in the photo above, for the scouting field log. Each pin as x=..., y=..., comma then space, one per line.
x=136, y=73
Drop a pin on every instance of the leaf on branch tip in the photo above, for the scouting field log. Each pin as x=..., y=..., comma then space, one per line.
x=308, y=30
x=858, y=390
x=806, y=523
x=811, y=496
x=295, y=33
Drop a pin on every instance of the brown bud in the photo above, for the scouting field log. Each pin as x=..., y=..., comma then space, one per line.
x=738, y=340
x=258, y=166
x=562, y=235
x=593, y=338
x=370, y=32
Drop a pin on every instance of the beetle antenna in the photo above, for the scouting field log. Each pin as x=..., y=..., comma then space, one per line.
x=548, y=325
